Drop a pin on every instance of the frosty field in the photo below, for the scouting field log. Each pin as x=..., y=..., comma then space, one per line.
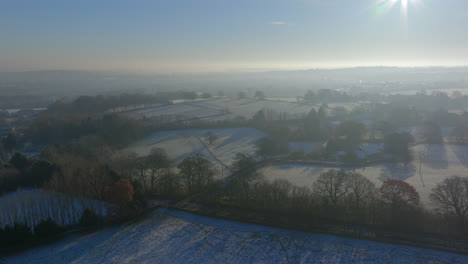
x=437, y=163
x=220, y=109
x=176, y=237
x=180, y=144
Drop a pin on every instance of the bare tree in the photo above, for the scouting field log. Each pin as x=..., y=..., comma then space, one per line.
x=168, y=183
x=451, y=196
x=259, y=95
x=141, y=169
x=360, y=188
x=196, y=173
x=124, y=163
x=245, y=173
x=332, y=185
x=211, y=137
x=157, y=162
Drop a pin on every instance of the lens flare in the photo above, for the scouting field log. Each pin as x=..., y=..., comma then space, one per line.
x=382, y=7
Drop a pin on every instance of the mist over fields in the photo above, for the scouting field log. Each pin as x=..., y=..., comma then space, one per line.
x=47, y=86
x=96, y=154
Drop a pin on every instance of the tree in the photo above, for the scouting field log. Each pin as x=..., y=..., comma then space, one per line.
x=3, y=153
x=352, y=130
x=245, y=172
x=190, y=96
x=360, y=188
x=124, y=163
x=157, y=162
x=15, y=235
x=169, y=183
x=332, y=186
x=310, y=96
x=397, y=144
x=241, y=95
x=382, y=127
x=19, y=161
x=47, y=228
x=451, y=196
x=259, y=119
x=9, y=143
x=211, y=137
x=9, y=179
x=432, y=132
x=259, y=95
x=141, y=169
x=269, y=147
x=460, y=133
x=196, y=173
x=206, y=95
x=312, y=125
x=89, y=218
x=41, y=172
x=120, y=193
x=322, y=112
x=398, y=193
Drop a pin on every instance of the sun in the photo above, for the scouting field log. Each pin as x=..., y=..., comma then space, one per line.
x=384, y=6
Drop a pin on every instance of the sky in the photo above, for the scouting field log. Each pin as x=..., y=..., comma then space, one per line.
x=230, y=35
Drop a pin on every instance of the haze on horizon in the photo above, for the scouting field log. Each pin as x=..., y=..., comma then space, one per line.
x=224, y=35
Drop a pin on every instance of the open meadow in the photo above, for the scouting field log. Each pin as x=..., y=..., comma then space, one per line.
x=167, y=236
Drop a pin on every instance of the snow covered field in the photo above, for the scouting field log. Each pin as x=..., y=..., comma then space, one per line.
x=180, y=144
x=220, y=109
x=32, y=206
x=438, y=162
x=463, y=91
x=176, y=237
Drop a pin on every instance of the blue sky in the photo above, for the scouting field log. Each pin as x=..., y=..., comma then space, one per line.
x=225, y=35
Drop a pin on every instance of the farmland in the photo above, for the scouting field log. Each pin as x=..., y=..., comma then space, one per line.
x=167, y=236
x=220, y=109
x=180, y=144
x=437, y=162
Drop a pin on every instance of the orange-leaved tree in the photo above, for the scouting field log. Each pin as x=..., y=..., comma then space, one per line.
x=399, y=193
x=120, y=193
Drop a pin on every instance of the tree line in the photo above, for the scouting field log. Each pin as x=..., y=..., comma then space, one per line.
x=337, y=197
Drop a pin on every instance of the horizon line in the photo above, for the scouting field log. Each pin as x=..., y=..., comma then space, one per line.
x=246, y=70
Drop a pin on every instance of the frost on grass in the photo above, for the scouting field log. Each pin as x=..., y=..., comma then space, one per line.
x=176, y=237
x=180, y=144
x=432, y=163
x=221, y=109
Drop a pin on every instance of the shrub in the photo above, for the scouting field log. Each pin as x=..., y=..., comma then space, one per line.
x=349, y=157
x=15, y=235
x=47, y=228
x=89, y=218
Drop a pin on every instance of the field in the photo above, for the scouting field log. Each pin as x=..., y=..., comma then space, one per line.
x=176, y=237
x=221, y=109
x=180, y=144
x=436, y=161
x=463, y=91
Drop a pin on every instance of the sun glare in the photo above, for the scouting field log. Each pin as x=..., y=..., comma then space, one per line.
x=384, y=6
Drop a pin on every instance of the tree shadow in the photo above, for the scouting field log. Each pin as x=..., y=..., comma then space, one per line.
x=461, y=151
x=400, y=171
x=434, y=156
